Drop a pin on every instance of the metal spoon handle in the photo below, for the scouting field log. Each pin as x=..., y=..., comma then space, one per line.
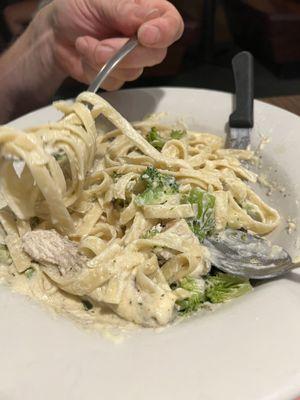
x=271, y=272
x=264, y=272
x=112, y=64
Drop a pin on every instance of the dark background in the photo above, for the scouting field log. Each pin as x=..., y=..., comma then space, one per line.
x=215, y=31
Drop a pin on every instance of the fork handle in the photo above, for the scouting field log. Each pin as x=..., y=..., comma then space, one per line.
x=112, y=63
x=242, y=65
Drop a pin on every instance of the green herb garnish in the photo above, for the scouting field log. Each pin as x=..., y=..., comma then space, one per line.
x=252, y=211
x=5, y=257
x=60, y=156
x=151, y=233
x=119, y=203
x=196, y=298
x=34, y=221
x=223, y=287
x=203, y=224
x=154, y=138
x=177, y=134
x=87, y=305
x=29, y=272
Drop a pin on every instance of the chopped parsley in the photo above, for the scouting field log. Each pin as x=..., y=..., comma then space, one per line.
x=87, y=305
x=177, y=134
x=154, y=138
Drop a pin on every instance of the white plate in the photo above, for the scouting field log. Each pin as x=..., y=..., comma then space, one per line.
x=247, y=349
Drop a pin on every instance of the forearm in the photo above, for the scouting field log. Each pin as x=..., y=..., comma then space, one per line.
x=29, y=74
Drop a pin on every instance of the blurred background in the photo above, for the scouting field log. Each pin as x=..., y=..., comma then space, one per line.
x=215, y=31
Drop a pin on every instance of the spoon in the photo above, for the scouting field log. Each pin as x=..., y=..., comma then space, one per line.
x=249, y=256
x=234, y=251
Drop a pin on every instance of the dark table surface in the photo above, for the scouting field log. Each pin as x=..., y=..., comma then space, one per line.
x=289, y=103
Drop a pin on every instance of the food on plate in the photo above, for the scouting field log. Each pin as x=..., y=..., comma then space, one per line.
x=109, y=226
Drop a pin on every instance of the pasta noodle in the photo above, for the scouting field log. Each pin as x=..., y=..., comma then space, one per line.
x=83, y=218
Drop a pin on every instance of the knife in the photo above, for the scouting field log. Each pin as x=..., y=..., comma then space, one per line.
x=241, y=120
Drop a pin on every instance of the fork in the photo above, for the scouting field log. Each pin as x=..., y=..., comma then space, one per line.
x=107, y=68
x=112, y=63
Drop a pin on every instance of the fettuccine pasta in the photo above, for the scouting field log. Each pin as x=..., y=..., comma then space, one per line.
x=115, y=220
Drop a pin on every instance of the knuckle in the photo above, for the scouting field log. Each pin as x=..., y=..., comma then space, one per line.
x=112, y=84
x=89, y=72
x=133, y=74
x=162, y=55
x=129, y=74
x=123, y=6
x=158, y=56
x=181, y=28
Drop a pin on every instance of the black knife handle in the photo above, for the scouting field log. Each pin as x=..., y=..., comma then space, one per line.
x=242, y=65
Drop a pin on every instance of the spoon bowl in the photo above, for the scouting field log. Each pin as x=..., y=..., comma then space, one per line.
x=234, y=251
x=249, y=256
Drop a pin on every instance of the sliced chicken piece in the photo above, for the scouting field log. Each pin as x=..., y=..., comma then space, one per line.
x=49, y=248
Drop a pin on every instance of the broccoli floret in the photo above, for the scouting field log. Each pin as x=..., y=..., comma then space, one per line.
x=223, y=287
x=194, y=301
x=158, y=187
x=154, y=138
x=177, y=134
x=218, y=289
x=5, y=258
x=203, y=223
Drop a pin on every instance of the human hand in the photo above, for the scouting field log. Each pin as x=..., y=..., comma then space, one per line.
x=88, y=32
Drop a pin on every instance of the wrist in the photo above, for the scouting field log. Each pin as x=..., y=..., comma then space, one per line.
x=29, y=73
x=41, y=39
